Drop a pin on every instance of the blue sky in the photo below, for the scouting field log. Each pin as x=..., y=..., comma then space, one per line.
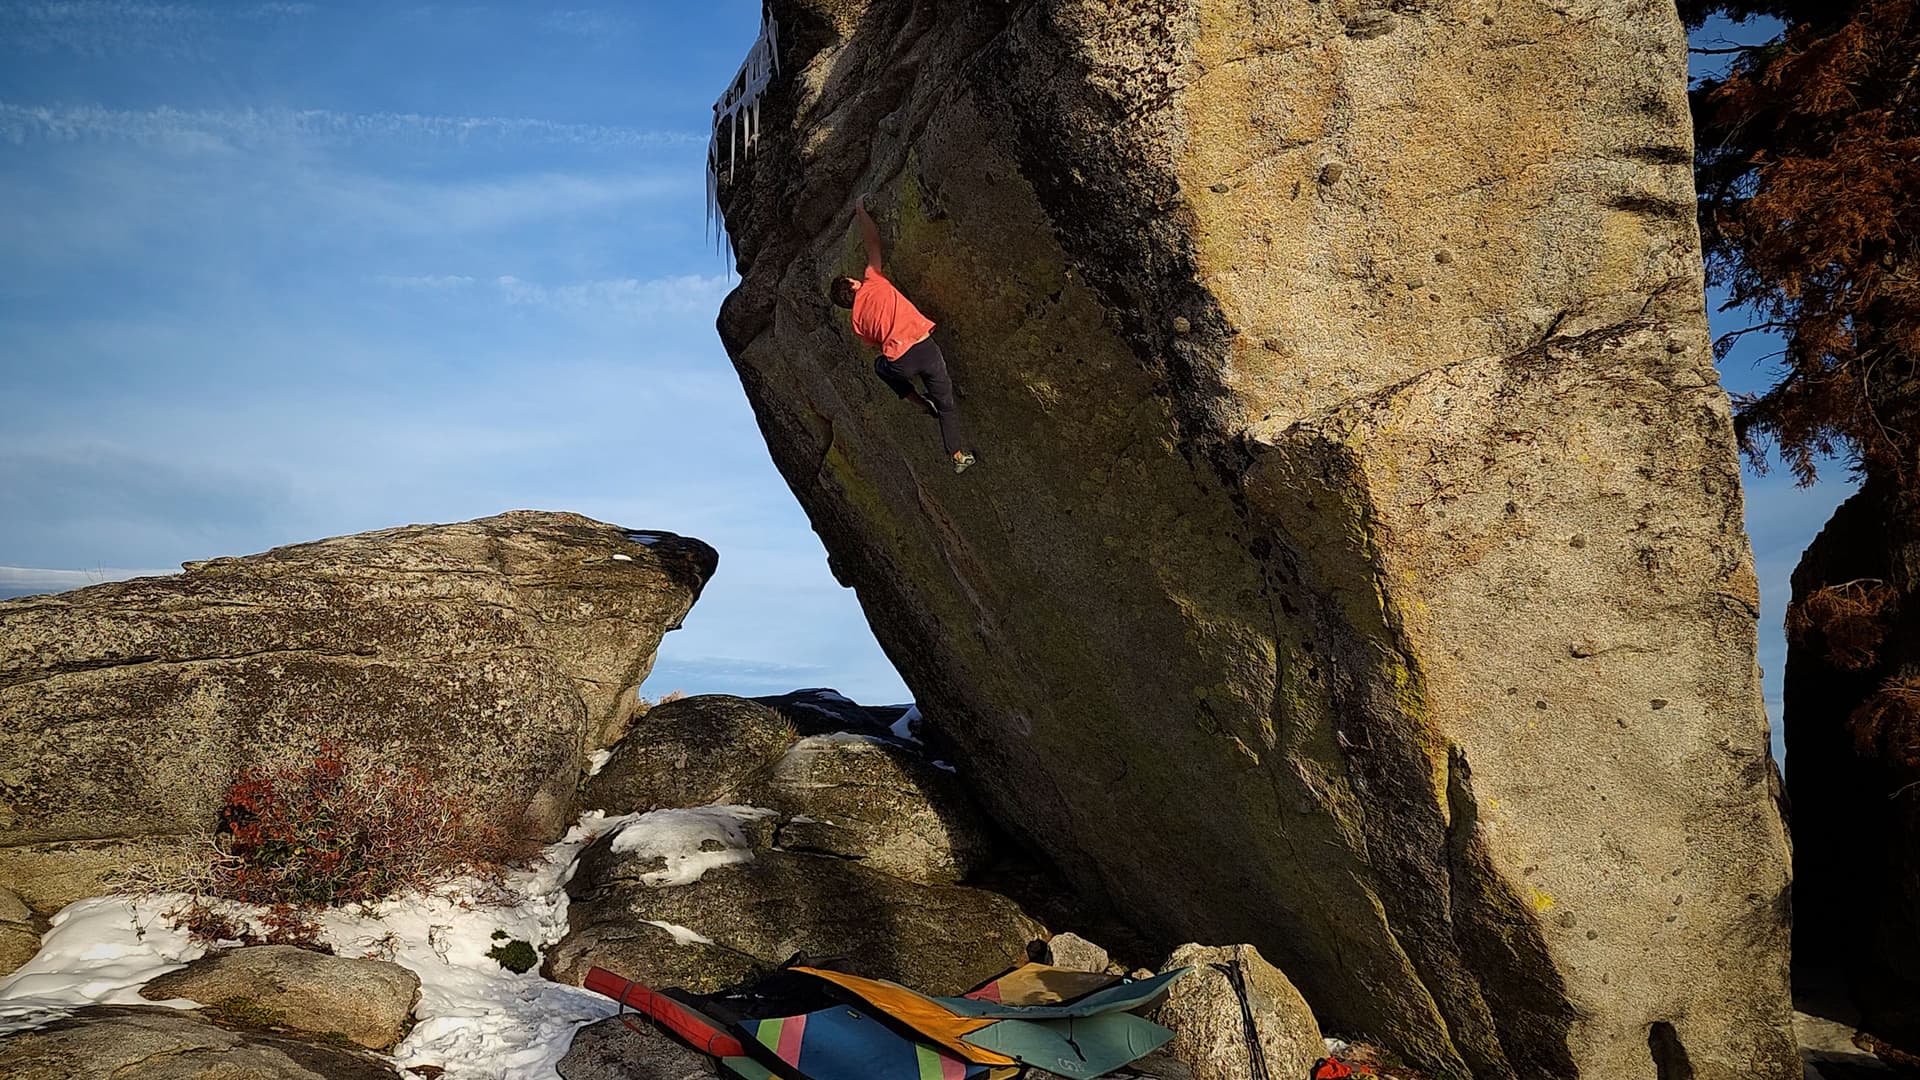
x=277, y=271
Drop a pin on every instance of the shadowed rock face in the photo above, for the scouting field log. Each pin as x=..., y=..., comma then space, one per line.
x=1354, y=566
x=1855, y=815
x=492, y=654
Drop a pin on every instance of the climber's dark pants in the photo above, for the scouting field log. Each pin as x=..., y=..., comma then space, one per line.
x=925, y=361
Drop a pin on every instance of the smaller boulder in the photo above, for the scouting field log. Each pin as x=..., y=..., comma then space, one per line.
x=279, y=986
x=739, y=918
x=111, y=1042
x=883, y=804
x=689, y=752
x=18, y=944
x=625, y=1049
x=654, y=954
x=19, y=932
x=1077, y=953
x=1232, y=991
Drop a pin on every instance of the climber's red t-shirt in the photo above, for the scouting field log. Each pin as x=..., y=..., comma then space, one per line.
x=885, y=319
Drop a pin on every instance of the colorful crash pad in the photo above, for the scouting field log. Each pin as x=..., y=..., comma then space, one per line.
x=698, y=1030
x=924, y=1015
x=1041, y=984
x=747, y=1069
x=1076, y=1047
x=1121, y=998
x=842, y=1043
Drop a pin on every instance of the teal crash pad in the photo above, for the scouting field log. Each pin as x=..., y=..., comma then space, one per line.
x=1077, y=1047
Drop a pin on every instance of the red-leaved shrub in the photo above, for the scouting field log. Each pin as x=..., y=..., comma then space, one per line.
x=343, y=825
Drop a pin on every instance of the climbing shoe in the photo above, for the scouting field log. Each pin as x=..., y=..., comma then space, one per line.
x=962, y=461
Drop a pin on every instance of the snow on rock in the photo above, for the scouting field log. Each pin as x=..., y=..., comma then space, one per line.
x=99, y=952
x=476, y=1020
x=597, y=760
x=680, y=933
x=691, y=842
x=903, y=727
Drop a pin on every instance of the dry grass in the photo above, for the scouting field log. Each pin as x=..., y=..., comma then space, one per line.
x=647, y=706
x=1886, y=726
x=305, y=831
x=1851, y=619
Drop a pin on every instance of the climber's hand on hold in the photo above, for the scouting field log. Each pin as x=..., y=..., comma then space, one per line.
x=869, y=232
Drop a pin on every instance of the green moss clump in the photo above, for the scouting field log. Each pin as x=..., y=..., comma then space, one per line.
x=515, y=955
x=245, y=1012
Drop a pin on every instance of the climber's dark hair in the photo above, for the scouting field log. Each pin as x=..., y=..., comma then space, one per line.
x=841, y=292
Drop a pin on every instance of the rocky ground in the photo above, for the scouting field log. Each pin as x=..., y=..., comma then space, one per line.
x=719, y=842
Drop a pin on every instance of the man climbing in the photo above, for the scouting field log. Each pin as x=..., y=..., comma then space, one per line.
x=888, y=321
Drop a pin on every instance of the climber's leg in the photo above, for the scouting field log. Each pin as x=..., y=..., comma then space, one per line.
x=926, y=361
x=895, y=380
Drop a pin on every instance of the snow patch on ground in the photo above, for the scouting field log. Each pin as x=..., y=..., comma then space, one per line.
x=623, y=558
x=903, y=727
x=476, y=1020
x=680, y=933
x=99, y=952
x=690, y=842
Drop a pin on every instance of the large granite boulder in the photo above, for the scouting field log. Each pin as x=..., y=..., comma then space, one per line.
x=278, y=986
x=728, y=907
x=118, y=1042
x=491, y=654
x=689, y=752
x=1354, y=564
x=858, y=797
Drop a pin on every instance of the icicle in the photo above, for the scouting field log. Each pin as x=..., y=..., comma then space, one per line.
x=739, y=109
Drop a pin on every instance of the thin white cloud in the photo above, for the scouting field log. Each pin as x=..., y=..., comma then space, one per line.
x=13, y=578
x=425, y=282
x=620, y=296
x=23, y=124
x=587, y=22
x=108, y=27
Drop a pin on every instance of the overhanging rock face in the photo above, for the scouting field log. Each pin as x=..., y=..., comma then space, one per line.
x=1354, y=565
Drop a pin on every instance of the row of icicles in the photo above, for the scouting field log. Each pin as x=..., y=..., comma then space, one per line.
x=738, y=113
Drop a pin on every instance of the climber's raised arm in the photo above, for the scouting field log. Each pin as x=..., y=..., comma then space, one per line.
x=868, y=232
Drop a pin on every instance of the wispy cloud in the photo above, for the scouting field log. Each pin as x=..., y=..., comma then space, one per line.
x=109, y=27
x=16, y=578
x=679, y=294
x=22, y=124
x=684, y=293
x=587, y=22
x=424, y=282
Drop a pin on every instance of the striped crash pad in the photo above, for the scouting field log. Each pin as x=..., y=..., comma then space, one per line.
x=842, y=1043
x=927, y=1017
x=1041, y=984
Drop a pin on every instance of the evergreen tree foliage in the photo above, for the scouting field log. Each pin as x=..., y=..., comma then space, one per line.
x=1808, y=166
